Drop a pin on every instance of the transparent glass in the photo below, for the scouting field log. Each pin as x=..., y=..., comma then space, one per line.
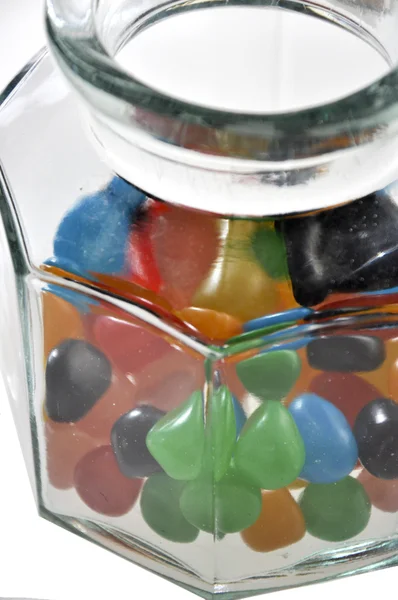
x=203, y=373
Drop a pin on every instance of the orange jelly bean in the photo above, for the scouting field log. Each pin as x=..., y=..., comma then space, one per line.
x=385, y=378
x=65, y=446
x=61, y=320
x=280, y=524
x=215, y=325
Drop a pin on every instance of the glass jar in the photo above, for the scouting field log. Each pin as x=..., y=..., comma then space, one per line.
x=203, y=366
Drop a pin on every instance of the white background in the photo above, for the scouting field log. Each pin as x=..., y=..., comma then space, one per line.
x=39, y=560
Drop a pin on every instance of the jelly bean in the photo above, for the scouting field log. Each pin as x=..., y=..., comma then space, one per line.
x=129, y=346
x=94, y=234
x=335, y=511
x=227, y=506
x=221, y=431
x=298, y=484
x=350, y=248
x=77, y=375
x=376, y=432
x=346, y=353
x=383, y=493
x=240, y=415
x=61, y=320
x=177, y=441
x=102, y=487
x=280, y=524
x=170, y=380
x=392, y=380
x=236, y=269
x=118, y=399
x=383, y=377
x=65, y=446
x=270, y=451
x=270, y=251
x=185, y=246
x=284, y=318
x=215, y=325
x=303, y=382
x=140, y=261
x=160, y=509
x=287, y=300
x=330, y=448
x=348, y=392
x=270, y=375
x=129, y=441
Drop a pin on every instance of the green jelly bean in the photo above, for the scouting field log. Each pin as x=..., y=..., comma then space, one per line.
x=335, y=511
x=177, y=440
x=270, y=375
x=221, y=432
x=270, y=252
x=160, y=508
x=228, y=506
x=270, y=451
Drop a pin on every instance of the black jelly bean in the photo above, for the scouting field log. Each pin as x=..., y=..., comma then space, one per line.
x=351, y=248
x=376, y=433
x=77, y=375
x=346, y=353
x=129, y=441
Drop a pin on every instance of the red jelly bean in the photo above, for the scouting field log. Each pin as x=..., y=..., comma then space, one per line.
x=102, y=486
x=170, y=380
x=141, y=263
x=185, y=246
x=383, y=493
x=346, y=391
x=65, y=446
x=129, y=346
x=117, y=400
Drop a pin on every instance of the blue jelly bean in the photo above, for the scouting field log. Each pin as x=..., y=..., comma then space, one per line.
x=93, y=235
x=295, y=314
x=240, y=416
x=331, y=449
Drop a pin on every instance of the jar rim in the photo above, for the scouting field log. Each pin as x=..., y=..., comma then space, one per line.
x=298, y=134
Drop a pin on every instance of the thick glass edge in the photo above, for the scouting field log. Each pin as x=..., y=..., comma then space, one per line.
x=351, y=121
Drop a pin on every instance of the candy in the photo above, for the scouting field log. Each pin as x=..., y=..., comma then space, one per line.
x=217, y=326
x=160, y=509
x=330, y=448
x=270, y=251
x=270, y=375
x=280, y=524
x=102, y=487
x=65, y=446
x=140, y=260
x=335, y=511
x=346, y=353
x=346, y=249
x=94, y=234
x=376, y=433
x=185, y=245
x=221, y=430
x=169, y=381
x=236, y=269
x=382, y=493
x=61, y=320
x=348, y=392
x=177, y=441
x=240, y=416
x=77, y=375
x=130, y=346
x=117, y=400
x=281, y=318
x=270, y=452
x=129, y=441
x=227, y=506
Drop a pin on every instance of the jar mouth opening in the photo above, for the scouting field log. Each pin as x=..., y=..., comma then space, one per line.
x=301, y=134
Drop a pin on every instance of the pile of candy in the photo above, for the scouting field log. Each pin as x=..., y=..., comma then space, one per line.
x=133, y=414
